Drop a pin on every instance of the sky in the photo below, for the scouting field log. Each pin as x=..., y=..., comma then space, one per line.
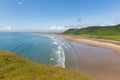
x=55, y=14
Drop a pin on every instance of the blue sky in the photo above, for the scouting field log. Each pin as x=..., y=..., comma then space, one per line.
x=42, y=14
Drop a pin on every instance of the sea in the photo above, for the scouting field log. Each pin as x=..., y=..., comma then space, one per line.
x=38, y=48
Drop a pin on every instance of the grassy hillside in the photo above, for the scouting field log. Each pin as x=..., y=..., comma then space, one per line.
x=13, y=67
x=107, y=32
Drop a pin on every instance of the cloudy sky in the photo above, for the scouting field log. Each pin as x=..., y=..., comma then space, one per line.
x=54, y=14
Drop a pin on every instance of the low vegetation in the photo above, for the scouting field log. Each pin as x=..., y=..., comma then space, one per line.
x=14, y=67
x=106, y=32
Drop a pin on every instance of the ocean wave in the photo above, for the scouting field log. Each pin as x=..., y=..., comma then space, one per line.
x=59, y=54
x=62, y=48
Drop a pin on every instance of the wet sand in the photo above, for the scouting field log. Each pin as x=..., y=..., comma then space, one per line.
x=95, y=57
x=101, y=63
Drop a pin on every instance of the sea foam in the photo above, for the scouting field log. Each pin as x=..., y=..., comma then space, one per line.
x=59, y=52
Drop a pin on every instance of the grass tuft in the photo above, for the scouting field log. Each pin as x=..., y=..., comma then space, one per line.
x=14, y=67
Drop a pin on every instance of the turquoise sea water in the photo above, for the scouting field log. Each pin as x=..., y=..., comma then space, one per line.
x=38, y=48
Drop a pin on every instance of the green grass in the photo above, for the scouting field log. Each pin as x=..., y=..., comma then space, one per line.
x=106, y=32
x=14, y=67
x=116, y=38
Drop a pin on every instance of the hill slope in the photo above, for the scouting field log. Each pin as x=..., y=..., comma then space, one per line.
x=13, y=67
x=107, y=32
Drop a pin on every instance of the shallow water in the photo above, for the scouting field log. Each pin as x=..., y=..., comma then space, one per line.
x=101, y=63
x=37, y=48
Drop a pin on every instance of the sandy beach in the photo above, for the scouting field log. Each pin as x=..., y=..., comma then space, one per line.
x=101, y=65
x=109, y=44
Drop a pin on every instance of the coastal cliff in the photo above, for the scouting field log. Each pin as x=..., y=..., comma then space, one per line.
x=14, y=67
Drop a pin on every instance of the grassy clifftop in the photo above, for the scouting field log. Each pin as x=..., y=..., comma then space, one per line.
x=107, y=32
x=13, y=67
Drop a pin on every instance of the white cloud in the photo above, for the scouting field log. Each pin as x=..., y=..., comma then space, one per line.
x=6, y=28
x=20, y=3
x=58, y=28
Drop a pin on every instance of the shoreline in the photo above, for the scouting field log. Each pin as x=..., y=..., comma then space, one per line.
x=100, y=65
x=108, y=44
x=93, y=60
